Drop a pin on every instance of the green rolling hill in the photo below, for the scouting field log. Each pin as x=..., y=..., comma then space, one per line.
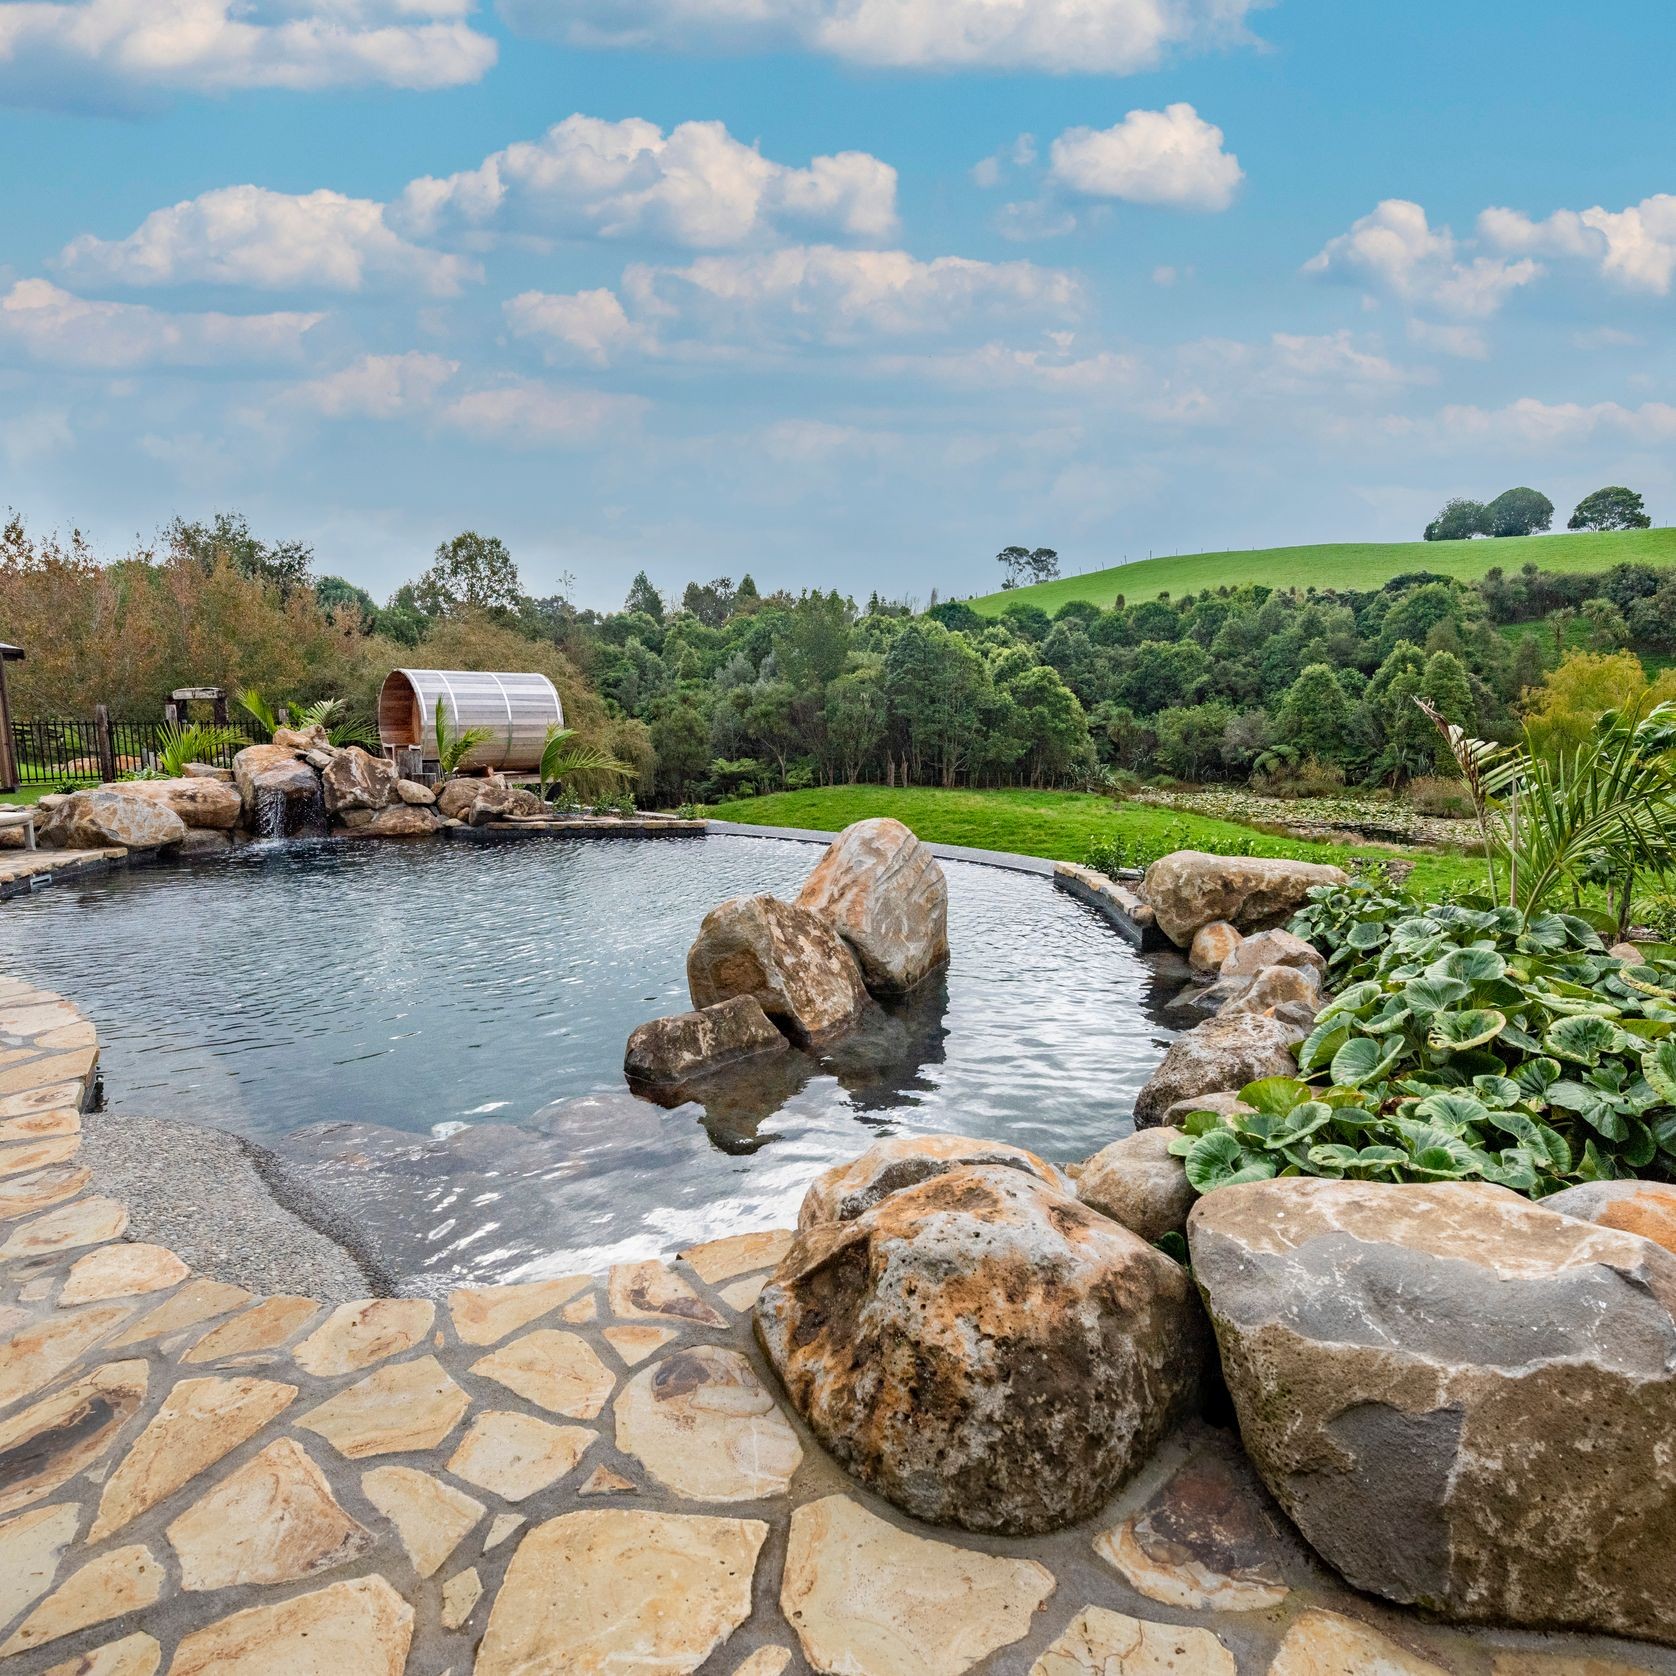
x=1358, y=565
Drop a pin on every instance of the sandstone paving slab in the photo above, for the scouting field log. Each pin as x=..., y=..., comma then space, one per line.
x=73, y=1067
x=22, y=1156
x=30, y=1546
x=50, y=1097
x=869, y=1599
x=486, y=1314
x=431, y=1518
x=24, y=1195
x=36, y=1354
x=122, y=1271
x=264, y=1326
x=118, y=1582
x=199, y=1422
x=581, y=1311
x=601, y=1592
x=765, y=1661
x=704, y=1426
x=273, y=1520
x=66, y=1431
x=500, y=1528
x=557, y=1370
x=356, y=1628
x=1328, y=1644
x=198, y=1300
x=355, y=1335
x=634, y=1344
x=133, y=1655
x=460, y=1595
x=1105, y=1643
x=741, y=1295
x=653, y=1291
x=61, y=1120
x=515, y=1455
x=85, y=1222
x=410, y=1405
x=602, y=1481
x=737, y=1254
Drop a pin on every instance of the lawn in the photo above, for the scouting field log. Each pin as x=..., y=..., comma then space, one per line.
x=1061, y=826
x=1361, y=565
x=30, y=794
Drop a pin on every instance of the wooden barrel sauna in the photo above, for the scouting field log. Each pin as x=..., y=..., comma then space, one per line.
x=517, y=710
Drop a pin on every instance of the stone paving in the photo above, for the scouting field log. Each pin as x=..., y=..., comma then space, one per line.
x=583, y=1476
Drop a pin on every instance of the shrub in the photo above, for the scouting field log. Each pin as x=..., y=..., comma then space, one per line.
x=1433, y=795
x=1275, y=776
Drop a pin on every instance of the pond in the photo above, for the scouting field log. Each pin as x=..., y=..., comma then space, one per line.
x=431, y=1036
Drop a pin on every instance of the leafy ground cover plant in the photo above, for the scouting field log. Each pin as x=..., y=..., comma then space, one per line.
x=1464, y=1043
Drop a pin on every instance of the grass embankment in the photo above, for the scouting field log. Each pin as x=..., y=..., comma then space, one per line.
x=1061, y=826
x=1359, y=565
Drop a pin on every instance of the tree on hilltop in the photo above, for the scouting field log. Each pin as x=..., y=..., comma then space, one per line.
x=1612, y=508
x=1459, y=520
x=1519, y=512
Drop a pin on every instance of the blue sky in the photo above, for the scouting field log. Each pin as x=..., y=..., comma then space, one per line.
x=840, y=292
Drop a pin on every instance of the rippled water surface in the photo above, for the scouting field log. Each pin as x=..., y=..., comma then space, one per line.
x=414, y=1030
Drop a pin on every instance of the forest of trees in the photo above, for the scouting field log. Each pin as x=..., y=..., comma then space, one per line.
x=728, y=689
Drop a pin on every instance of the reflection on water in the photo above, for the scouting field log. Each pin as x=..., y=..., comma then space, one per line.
x=432, y=1035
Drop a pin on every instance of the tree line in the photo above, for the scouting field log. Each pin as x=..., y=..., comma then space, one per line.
x=1525, y=511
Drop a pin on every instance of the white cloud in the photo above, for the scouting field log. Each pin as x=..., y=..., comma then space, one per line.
x=379, y=386
x=1533, y=423
x=247, y=235
x=1334, y=357
x=1172, y=156
x=585, y=325
x=1088, y=36
x=695, y=186
x=1396, y=250
x=1636, y=246
x=1465, y=343
x=93, y=52
x=524, y=414
x=51, y=326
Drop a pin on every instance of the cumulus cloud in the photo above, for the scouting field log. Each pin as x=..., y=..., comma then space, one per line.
x=525, y=414
x=378, y=386
x=1396, y=250
x=1636, y=246
x=1533, y=423
x=124, y=52
x=1092, y=36
x=695, y=186
x=1172, y=156
x=247, y=235
x=51, y=326
x=585, y=325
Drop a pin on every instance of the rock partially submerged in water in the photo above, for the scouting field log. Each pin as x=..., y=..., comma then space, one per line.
x=798, y=969
x=670, y=1052
x=281, y=793
x=984, y=1351
x=1188, y=889
x=91, y=820
x=1222, y=1053
x=884, y=893
x=400, y=820
x=356, y=779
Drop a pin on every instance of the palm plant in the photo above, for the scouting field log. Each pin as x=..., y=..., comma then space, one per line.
x=341, y=727
x=256, y=705
x=580, y=767
x=180, y=744
x=454, y=745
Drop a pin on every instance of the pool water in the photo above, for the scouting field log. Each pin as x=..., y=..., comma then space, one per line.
x=432, y=1035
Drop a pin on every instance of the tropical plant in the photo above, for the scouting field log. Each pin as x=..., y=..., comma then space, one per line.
x=454, y=745
x=181, y=743
x=577, y=767
x=256, y=705
x=341, y=727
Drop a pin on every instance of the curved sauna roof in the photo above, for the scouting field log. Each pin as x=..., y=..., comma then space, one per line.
x=517, y=709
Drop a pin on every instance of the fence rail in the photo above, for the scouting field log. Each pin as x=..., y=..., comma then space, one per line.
x=85, y=752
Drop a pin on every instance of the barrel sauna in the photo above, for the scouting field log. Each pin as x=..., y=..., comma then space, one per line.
x=517, y=710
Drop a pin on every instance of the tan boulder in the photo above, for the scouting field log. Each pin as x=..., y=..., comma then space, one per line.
x=212, y=804
x=314, y=738
x=1136, y=1181
x=1268, y=949
x=666, y=1052
x=884, y=893
x=356, y=779
x=843, y=1192
x=401, y=820
x=91, y=820
x=281, y=793
x=1189, y=889
x=984, y=1351
x=799, y=969
x=1224, y=1102
x=455, y=798
x=1222, y=1053
x=1461, y=1399
x=477, y=799
x=1290, y=993
x=410, y=791
x=1212, y=945
x=1647, y=1208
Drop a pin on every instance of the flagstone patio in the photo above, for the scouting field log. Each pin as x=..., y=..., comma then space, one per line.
x=580, y=1475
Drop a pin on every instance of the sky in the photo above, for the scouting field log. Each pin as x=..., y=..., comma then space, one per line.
x=843, y=293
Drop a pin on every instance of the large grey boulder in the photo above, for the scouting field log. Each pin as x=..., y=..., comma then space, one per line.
x=1188, y=889
x=211, y=803
x=1269, y=949
x=984, y=1351
x=1222, y=1053
x=1463, y=1400
x=1136, y=1181
x=356, y=779
x=885, y=894
x=106, y=816
x=668, y=1052
x=799, y=969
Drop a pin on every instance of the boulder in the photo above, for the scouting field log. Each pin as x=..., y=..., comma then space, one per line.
x=199, y=802
x=1189, y=889
x=1212, y=945
x=456, y=797
x=354, y=820
x=410, y=791
x=884, y=893
x=1647, y=1208
x=356, y=779
x=843, y=1192
x=400, y=820
x=1463, y=1400
x=1290, y=993
x=984, y=1351
x=275, y=770
x=206, y=771
x=105, y=815
x=1222, y=1053
x=1224, y=1102
x=1268, y=949
x=668, y=1052
x=1135, y=1181
x=799, y=969
x=477, y=799
x=303, y=739
x=205, y=840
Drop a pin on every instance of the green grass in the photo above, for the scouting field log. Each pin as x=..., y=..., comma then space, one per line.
x=1360, y=565
x=1060, y=826
x=30, y=794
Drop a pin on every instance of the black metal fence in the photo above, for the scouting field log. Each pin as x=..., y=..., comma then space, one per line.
x=86, y=752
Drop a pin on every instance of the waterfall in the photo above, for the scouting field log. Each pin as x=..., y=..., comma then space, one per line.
x=288, y=812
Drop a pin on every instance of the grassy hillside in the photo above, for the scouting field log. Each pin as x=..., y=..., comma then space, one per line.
x=1366, y=564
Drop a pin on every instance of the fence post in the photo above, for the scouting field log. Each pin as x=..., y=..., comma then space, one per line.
x=104, y=746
